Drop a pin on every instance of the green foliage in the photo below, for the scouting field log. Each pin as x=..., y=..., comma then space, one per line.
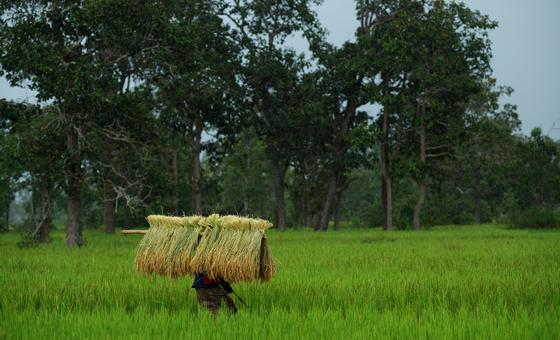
x=137, y=83
x=538, y=170
x=454, y=282
x=245, y=178
x=360, y=205
x=448, y=207
x=535, y=218
x=33, y=145
x=403, y=204
x=509, y=204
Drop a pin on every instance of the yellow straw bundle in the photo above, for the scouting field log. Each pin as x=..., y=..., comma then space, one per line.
x=231, y=248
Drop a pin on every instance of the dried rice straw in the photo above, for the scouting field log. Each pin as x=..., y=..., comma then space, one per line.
x=231, y=248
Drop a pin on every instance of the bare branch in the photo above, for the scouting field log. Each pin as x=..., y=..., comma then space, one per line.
x=441, y=154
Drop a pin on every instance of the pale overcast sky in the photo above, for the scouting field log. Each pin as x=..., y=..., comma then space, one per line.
x=526, y=48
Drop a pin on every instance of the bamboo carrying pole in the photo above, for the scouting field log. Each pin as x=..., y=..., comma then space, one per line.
x=132, y=231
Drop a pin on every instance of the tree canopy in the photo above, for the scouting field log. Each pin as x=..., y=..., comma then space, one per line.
x=193, y=107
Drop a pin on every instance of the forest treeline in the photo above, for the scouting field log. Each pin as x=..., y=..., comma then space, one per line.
x=195, y=107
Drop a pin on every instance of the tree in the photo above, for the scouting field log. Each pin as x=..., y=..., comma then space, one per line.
x=439, y=58
x=381, y=40
x=539, y=175
x=43, y=43
x=35, y=144
x=8, y=168
x=193, y=78
x=245, y=178
x=121, y=38
x=481, y=161
x=454, y=58
x=342, y=87
x=270, y=74
x=57, y=47
x=308, y=155
x=119, y=147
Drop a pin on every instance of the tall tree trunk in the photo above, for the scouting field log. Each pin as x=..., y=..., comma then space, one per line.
x=420, y=204
x=74, y=176
x=337, y=206
x=341, y=129
x=476, y=197
x=168, y=173
x=301, y=201
x=108, y=218
x=328, y=202
x=388, y=203
x=32, y=205
x=73, y=169
x=8, y=203
x=7, y=217
x=44, y=225
x=387, y=185
x=541, y=185
x=108, y=207
x=126, y=216
x=278, y=174
x=477, y=210
x=175, y=179
x=196, y=146
x=422, y=181
x=383, y=200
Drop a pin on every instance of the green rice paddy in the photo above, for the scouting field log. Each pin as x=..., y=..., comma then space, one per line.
x=449, y=282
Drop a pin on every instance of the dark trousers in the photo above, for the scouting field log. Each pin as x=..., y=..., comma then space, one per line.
x=214, y=299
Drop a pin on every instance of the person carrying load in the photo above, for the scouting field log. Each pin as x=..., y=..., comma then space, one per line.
x=213, y=294
x=216, y=250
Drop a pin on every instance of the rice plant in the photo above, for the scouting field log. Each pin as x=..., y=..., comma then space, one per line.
x=450, y=282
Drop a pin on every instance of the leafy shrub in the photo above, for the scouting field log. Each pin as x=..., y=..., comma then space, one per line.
x=535, y=218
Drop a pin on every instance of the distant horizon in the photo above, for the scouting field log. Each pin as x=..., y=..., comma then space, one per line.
x=525, y=46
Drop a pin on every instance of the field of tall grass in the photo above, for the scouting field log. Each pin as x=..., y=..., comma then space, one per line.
x=448, y=282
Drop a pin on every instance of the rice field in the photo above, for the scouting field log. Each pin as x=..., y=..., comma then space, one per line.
x=449, y=282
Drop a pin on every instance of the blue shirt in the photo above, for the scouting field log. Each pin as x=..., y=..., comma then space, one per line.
x=203, y=281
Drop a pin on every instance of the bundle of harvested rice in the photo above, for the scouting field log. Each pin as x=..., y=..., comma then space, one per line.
x=231, y=248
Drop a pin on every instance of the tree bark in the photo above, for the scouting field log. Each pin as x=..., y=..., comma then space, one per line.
x=108, y=207
x=196, y=146
x=341, y=127
x=301, y=201
x=327, y=203
x=7, y=216
x=74, y=176
x=477, y=210
x=164, y=157
x=388, y=203
x=477, y=196
x=386, y=187
x=126, y=216
x=383, y=200
x=420, y=203
x=337, y=206
x=8, y=203
x=278, y=174
x=45, y=223
x=176, y=179
x=73, y=168
x=422, y=181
